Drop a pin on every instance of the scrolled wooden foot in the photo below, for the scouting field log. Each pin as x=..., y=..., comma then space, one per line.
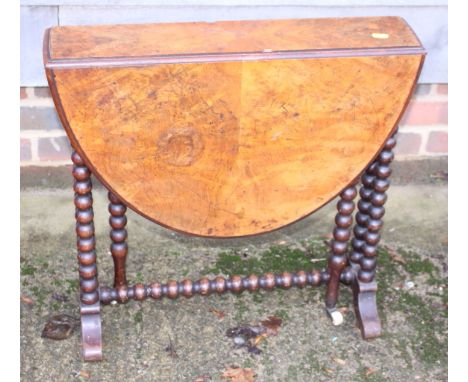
x=89, y=286
x=365, y=307
x=91, y=337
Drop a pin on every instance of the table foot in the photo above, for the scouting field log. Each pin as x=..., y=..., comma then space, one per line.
x=91, y=338
x=336, y=316
x=365, y=308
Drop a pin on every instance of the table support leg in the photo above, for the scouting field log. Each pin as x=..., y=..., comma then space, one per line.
x=89, y=288
x=364, y=256
x=118, y=235
x=338, y=258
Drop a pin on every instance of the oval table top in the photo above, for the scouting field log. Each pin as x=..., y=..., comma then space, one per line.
x=235, y=146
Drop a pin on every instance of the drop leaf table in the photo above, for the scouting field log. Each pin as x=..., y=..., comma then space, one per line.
x=229, y=129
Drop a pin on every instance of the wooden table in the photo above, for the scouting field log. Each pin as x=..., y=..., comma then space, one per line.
x=230, y=129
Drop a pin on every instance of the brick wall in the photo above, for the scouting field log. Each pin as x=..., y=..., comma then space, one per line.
x=423, y=128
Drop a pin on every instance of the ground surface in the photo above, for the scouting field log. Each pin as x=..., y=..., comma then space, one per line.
x=412, y=294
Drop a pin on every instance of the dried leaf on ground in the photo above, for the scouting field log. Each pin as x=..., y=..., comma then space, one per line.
x=260, y=338
x=250, y=336
x=202, y=378
x=218, y=313
x=59, y=327
x=27, y=300
x=394, y=255
x=238, y=374
x=328, y=371
x=272, y=325
x=370, y=371
x=82, y=374
x=246, y=336
x=339, y=361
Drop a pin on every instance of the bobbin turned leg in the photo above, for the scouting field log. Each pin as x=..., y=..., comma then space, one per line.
x=118, y=235
x=89, y=288
x=338, y=258
x=366, y=238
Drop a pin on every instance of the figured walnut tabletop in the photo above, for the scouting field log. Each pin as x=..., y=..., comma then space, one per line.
x=231, y=128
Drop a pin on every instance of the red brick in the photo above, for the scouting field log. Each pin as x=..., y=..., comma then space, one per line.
x=25, y=149
x=23, y=94
x=437, y=142
x=408, y=143
x=442, y=89
x=54, y=148
x=42, y=92
x=426, y=113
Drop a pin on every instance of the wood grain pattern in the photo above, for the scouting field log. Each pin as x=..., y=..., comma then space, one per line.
x=235, y=148
x=106, y=41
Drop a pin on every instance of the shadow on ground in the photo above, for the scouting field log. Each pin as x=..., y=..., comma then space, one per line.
x=412, y=294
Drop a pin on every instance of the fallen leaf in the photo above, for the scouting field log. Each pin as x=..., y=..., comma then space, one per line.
x=339, y=361
x=27, y=300
x=59, y=327
x=394, y=255
x=202, y=378
x=249, y=336
x=246, y=336
x=328, y=371
x=370, y=371
x=238, y=374
x=248, y=331
x=81, y=373
x=218, y=313
x=260, y=338
x=272, y=325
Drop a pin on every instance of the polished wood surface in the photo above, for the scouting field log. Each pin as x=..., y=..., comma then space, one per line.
x=240, y=147
x=230, y=149
x=68, y=42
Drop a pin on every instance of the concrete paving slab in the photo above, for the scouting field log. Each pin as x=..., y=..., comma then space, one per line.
x=412, y=297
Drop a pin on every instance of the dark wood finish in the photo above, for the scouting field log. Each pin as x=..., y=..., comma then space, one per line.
x=375, y=183
x=89, y=286
x=205, y=286
x=375, y=210
x=118, y=235
x=365, y=308
x=339, y=245
x=232, y=129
